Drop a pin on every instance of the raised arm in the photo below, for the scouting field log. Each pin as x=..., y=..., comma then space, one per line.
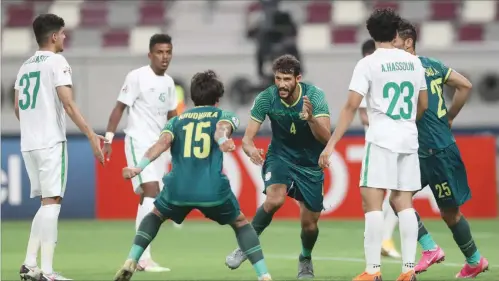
x=318, y=118
x=225, y=127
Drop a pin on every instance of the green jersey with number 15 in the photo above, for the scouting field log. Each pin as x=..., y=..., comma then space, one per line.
x=433, y=127
x=41, y=113
x=390, y=81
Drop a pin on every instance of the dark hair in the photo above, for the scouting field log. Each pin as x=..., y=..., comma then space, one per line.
x=368, y=47
x=46, y=24
x=383, y=24
x=206, y=88
x=407, y=30
x=287, y=64
x=159, y=39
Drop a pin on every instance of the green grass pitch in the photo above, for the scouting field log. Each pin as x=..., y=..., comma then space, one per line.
x=93, y=250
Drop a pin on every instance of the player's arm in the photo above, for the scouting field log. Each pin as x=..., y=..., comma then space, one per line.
x=163, y=144
x=463, y=90
x=65, y=94
x=359, y=87
x=16, y=103
x=319, y=122
x=128, y=94
x=423, y=93
x=364, y=119
x=225, y=127
x=257, y=116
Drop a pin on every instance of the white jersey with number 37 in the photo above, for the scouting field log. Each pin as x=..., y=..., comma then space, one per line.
x=41, y=113
x=390, y=81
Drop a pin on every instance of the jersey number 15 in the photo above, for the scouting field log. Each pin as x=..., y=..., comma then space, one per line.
x=30, y=95
x=199, y=152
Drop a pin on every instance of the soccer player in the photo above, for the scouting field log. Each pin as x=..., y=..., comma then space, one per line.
x=299, y=117
x=43, y=96
x=388, y=246
x=392, y=82
x=197, y=138
x=149, y=95
x=441, y=165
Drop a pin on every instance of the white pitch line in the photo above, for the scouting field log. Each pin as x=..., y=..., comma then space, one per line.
x=343, y=259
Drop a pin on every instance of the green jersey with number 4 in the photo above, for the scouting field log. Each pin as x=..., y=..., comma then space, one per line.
x=292, y=138
x=433, y=127
x=42, y=115
x=196, y=177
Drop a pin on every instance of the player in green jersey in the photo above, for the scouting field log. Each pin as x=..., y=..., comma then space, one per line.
x=440, y=161
x=299, y=118
x=197, y=138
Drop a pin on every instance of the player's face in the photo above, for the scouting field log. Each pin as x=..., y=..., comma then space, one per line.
x=161, y=55
x=402, y=44
x=58, y=38
x=286, y=83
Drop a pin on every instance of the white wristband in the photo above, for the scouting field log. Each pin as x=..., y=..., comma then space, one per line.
x=109, y=137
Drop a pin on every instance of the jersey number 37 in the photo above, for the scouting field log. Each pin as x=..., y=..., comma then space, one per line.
x=30, y=95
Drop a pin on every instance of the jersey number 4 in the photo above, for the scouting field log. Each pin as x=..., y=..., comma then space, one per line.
x=394, y=99
x=30, y=95
x=199, y=136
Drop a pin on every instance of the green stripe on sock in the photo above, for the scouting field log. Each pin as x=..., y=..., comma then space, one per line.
x=260, y=268
x=253, y=250
x=135, y=253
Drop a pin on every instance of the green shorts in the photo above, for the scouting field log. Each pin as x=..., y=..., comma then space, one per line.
x=303, y=184
x=445, y=173
x=225, y=213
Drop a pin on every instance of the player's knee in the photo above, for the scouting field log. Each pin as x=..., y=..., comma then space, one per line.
x=51, y=200
x=309, y=225
x=150, y=189
x=240, y=221
x=400, y=201
x=273, y=203
x=451, y=216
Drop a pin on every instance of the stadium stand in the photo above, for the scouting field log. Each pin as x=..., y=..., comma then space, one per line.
x=120, y=24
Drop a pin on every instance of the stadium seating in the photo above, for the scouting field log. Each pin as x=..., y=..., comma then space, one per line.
x=116, y=24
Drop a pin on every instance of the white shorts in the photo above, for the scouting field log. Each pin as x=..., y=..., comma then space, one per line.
x=154, y=172
x=47, y=170
x=385, y=169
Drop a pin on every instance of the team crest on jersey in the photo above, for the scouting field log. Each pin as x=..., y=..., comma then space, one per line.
x=125, y=89
x=67, y=70
x=268, y=176
x=162, y=97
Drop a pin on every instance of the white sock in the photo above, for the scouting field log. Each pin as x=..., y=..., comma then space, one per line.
x=34, y=241
x=373, y=236
x=144, y=209
x=408, y=227
x=391, y=221
x=49, y=219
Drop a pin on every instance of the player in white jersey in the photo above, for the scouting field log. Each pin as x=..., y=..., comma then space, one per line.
x=388, y=246
x=149, y=95
x=43, y=96
x=394, y=86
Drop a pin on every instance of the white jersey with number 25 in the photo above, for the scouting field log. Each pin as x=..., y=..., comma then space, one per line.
x=390, y=81
x=41, y=113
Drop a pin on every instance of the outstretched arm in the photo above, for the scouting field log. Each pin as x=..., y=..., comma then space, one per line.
x=223, y=135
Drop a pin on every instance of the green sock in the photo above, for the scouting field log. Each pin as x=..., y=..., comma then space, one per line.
x=250, y=244
x=462, y=235
x=261, y=220
x=308, y=239
x=148, y=229
x=424, y=238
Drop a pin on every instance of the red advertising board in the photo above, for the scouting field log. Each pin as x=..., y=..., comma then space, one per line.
x=116, y=200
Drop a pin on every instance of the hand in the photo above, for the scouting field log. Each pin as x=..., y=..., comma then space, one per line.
x=256, y=156
x=107, y=150
x=306, y=112
x=129, y=173
x=324, y=157
x=96, y=148
x=228, y=146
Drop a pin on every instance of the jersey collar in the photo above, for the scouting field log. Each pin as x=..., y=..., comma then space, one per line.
x=297, y=100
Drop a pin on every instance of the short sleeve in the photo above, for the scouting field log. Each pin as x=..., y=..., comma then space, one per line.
x=319, y=104
x=422, y=75
x=18, y=80
x=363, y=103
x=61, y=71
x=360, y=78
x=170, y=126
x=231, y=118
x=261, y=106
x=446, y=71
x=130, y=90
x=173, y=102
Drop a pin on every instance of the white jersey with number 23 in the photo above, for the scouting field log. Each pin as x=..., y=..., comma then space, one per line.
x=390, y=81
